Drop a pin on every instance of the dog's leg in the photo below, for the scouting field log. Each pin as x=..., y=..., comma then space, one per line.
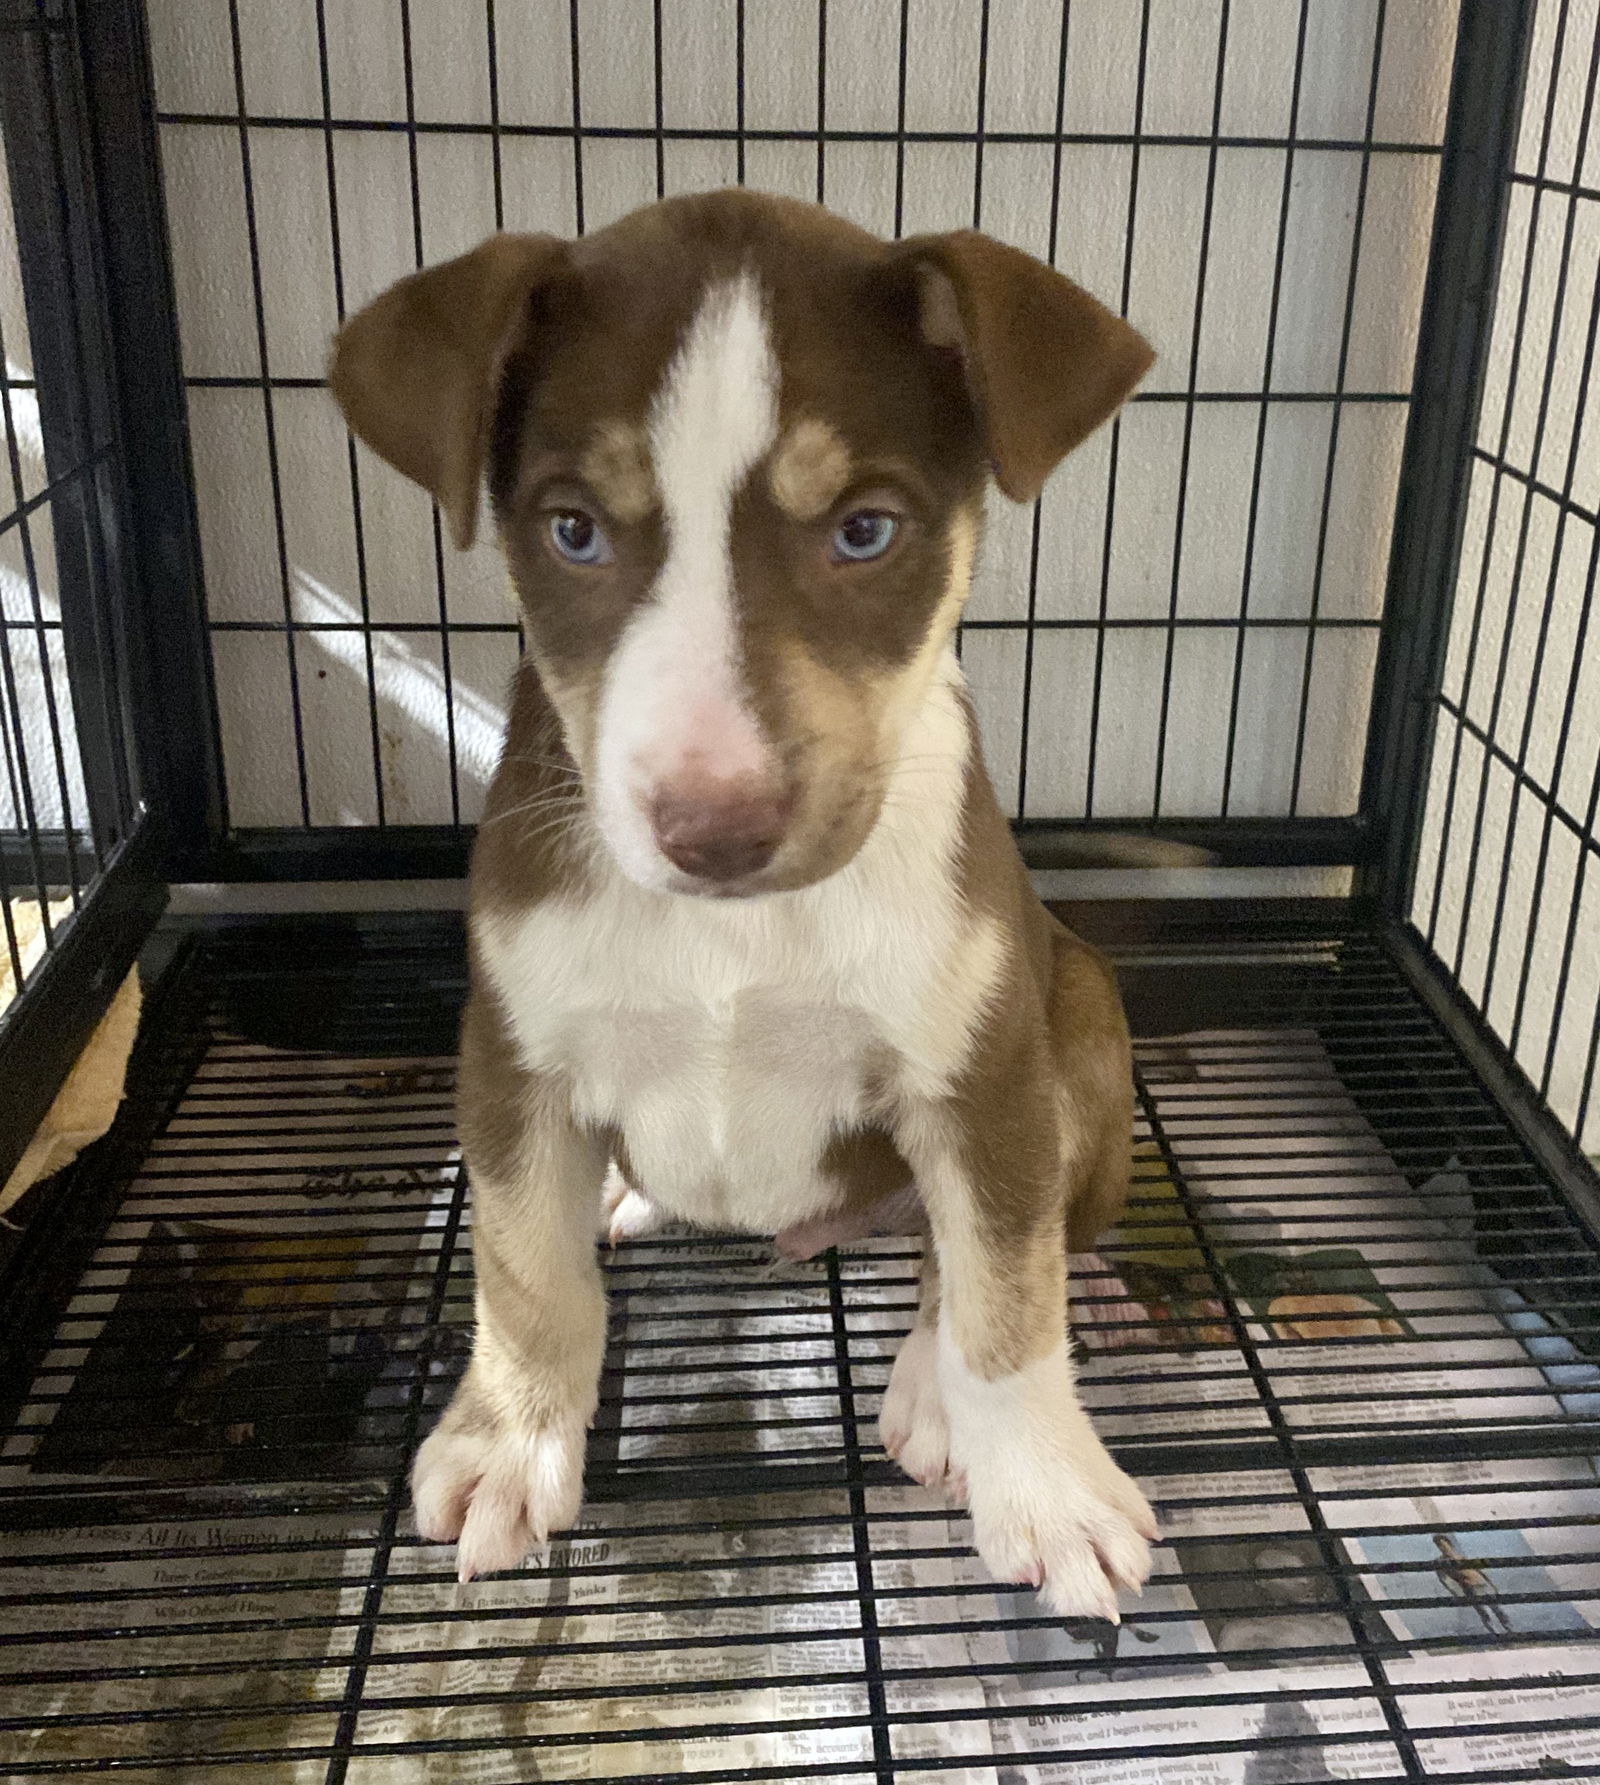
x=504, y=1466
x=911, y=1422
x=626, y=1213
x=1049, y=1506
x=1093, y=1060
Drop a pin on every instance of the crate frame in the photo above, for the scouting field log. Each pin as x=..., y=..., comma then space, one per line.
x=102, y=305
x=113, y=272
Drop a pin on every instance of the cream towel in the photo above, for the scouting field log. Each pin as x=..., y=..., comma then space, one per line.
x=86, y=1104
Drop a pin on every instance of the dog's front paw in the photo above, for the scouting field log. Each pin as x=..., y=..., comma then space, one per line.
x=911, y=1423
x=1077, y=1534
x=496, y=1493
x=1049, y=1507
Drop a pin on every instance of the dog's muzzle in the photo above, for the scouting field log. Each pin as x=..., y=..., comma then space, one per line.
x=720, y=830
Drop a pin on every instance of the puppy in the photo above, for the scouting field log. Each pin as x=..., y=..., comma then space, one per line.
x=745, y=916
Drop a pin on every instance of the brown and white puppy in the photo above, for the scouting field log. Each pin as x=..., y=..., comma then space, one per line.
x=745, y=916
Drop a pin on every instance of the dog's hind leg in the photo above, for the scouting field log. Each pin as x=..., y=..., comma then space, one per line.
x=1094, y=1069
x=626, y=1211
x=911, y=1422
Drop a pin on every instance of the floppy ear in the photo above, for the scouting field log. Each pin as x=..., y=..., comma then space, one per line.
x=1045, y=363
x=417, y=371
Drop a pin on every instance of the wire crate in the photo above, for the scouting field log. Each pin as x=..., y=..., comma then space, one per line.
x=1318, y=601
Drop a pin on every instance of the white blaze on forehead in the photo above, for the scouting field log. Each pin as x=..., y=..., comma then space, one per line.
x=717, y=412
x=674, y=697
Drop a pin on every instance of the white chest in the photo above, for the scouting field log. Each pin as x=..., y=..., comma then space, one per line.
x=729, y=1041
x=727, y=1045
x=726, y=1108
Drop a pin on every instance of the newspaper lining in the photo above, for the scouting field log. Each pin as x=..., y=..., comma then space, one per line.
x=1476, y=1585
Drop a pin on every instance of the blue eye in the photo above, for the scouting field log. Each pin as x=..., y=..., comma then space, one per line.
x=864, y=535
x=578, y=538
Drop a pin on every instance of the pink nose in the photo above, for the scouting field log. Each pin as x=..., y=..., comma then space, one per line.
x=720, y=830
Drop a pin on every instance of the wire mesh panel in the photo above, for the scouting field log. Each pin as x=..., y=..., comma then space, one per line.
x=38, y=735
x=1505, y=893
x=49, y=851
x=77, y=842
x=1345, y=1338
x=1185, y=627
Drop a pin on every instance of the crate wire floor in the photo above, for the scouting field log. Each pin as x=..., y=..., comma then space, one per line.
x=1343, y=1338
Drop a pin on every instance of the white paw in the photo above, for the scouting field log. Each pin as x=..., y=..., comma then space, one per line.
x=1049, y=1507
x=1041, y=1518
x=911, y=1424
x=628, y=1214
x=496, y=1494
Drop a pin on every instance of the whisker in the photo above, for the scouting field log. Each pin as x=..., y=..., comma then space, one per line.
x=539, y=801
x=543, y=802
x=566, y=767
x=567, y=823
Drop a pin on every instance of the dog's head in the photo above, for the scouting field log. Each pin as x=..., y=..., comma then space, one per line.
x=736, y=449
